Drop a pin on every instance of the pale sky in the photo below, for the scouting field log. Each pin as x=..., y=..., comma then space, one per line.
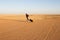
x=30, y=6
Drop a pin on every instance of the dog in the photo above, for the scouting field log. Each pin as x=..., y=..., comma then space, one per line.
x=30, y=20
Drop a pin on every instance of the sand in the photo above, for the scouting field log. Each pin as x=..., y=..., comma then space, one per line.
x=16, y=27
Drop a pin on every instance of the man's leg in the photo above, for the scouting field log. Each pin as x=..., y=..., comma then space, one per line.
x=27, y=18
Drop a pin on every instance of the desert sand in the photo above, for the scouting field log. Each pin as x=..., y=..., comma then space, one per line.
x=43, y=27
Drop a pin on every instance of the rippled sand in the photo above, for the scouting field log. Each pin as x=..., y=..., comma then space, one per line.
x=16, y=27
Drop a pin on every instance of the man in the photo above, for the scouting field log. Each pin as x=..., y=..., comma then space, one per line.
x=27, y=16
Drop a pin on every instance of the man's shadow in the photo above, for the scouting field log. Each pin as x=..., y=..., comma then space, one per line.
x=14, y=20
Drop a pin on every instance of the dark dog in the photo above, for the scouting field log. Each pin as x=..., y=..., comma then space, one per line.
x=30, y=20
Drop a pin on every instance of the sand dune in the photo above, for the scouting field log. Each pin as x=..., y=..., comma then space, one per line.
x=16, y=27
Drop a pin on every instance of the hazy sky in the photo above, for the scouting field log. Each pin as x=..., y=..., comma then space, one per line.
x=30, y=6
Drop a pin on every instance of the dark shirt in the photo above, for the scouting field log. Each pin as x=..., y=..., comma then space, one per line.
x=27, y=15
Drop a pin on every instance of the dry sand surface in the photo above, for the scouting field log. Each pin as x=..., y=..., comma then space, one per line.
x=16, y=27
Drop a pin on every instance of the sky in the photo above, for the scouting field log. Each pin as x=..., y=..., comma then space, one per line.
x=30, y=6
